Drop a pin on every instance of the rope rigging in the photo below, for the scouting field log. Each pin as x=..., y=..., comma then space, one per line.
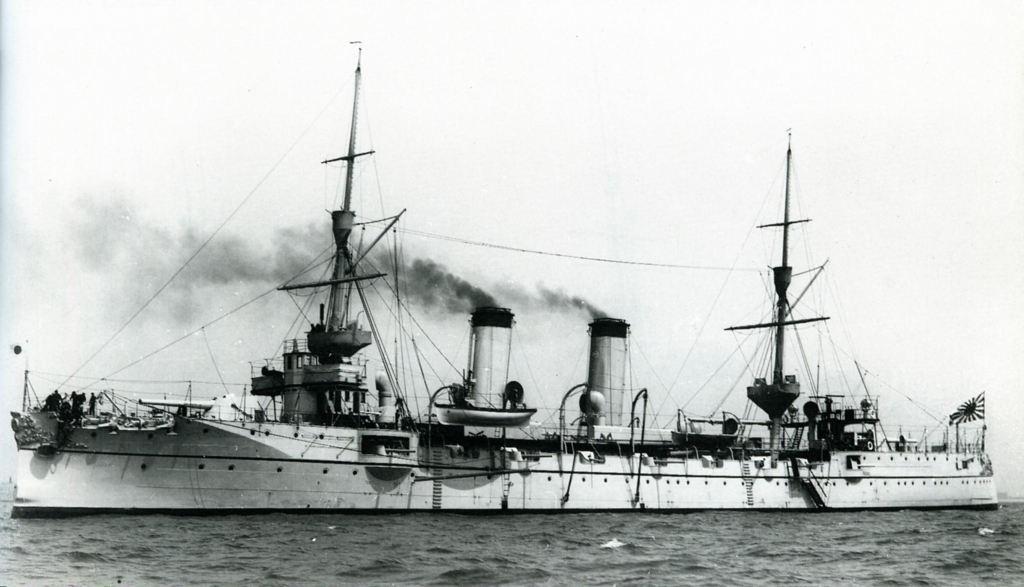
x=568, y=256
x=213, y=235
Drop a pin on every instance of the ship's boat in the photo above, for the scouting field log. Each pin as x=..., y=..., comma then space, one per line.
x=317, y=432
x=489, y=417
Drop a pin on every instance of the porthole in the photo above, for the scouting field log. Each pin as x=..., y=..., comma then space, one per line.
x=266, y=433
x=150, y=435
x=325, y=471
x=584, y=479
x=205, y=430
x=296, y=435
x=201, y=466
x=549, y=477
x=231, y=467
x=321, y=437
x=647, y=481
x=143, y=466
x=279, y=469
x=355, y=471
x=94, y=435
x=605, y=479
x=252, y=433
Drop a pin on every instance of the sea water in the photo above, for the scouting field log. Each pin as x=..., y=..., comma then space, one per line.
x=710, y=548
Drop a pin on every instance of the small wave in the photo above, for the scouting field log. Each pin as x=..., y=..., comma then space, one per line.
x=377, y=567
x=985, y=531
x=474, y=576
x=85, y=557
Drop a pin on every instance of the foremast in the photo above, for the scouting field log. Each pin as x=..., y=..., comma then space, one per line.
x=776, y=397
x=337, y=337
x=321, y=383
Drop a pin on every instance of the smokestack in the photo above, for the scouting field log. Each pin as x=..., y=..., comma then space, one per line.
x=607, y=372
x=490, y=348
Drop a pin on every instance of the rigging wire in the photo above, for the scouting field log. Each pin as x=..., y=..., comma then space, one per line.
x=399, y=266
x=522, y=349
x=649, y=365
x=568, y=256
x=412, y=317
x=210, y=238
x=210, y=323
x=152, y=381
x=373, y=286
x=714, y=304
x=214, y=360
x=184, y=336
x=711, y=378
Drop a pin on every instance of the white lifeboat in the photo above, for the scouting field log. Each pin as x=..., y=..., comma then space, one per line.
x=474, y=416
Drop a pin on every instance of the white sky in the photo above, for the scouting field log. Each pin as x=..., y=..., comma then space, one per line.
x=640, y=131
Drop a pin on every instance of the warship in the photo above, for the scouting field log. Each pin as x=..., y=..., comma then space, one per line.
x=323, y=434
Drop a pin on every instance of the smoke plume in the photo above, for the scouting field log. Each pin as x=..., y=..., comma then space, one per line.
x=142, y=255
x=433, y=286
x=558, y=300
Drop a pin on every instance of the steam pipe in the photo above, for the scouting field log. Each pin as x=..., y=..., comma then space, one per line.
x=643, y=429
x=561, y=412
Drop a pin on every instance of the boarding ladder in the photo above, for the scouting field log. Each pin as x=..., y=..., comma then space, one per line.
x=810, y=484
x=795, y=444
x=748, y=482
x=437, y=455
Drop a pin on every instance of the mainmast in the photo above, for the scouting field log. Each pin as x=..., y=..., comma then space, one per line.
x=776, y=397
x=783, y=277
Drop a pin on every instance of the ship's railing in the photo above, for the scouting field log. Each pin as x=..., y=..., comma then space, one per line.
x=275, y=364
x=296, y=345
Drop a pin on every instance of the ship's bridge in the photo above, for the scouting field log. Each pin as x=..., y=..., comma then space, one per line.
x=299, y=367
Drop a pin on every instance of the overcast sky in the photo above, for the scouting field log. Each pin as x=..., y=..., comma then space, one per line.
x=648, y=132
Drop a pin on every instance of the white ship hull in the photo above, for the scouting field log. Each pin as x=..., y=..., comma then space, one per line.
x=232, y=468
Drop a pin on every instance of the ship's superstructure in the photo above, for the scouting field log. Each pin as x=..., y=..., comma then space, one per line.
x=325, y=438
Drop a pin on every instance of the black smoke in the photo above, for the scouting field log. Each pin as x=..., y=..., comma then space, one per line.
x=140, y=255
x=432, y=285
x=558, y=300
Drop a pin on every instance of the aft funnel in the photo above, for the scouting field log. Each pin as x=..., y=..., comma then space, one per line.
x=607, y=372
